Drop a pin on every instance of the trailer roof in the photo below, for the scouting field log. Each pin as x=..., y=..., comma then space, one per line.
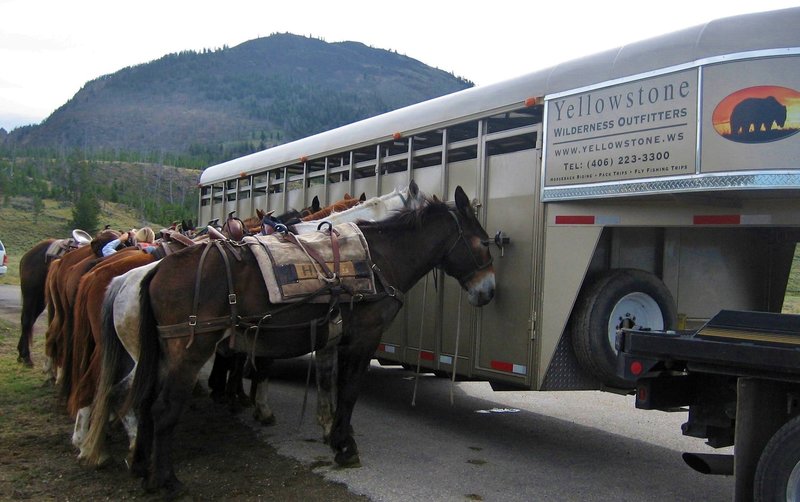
x=727, y=36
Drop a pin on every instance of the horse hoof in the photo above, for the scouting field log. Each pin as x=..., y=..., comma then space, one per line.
x=103, y=462
x=149, y=486
x=25, y=361
x=175, y=491
x=138, y=470
x=347, y=459
x=347, y=462
x=218, y=397
x=264, y=420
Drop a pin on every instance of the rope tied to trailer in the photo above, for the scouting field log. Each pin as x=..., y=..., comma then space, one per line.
x=419, y=345
x=419, y=348
x=455, y=352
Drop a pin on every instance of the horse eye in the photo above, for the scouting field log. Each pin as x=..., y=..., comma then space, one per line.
x=486, y=242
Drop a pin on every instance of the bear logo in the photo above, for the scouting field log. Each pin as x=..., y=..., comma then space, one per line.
x=756, y=114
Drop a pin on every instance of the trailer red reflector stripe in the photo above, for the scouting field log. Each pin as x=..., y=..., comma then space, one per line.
x=508, y=367
x=565, y=219
x=717, y=219
x=425, y=355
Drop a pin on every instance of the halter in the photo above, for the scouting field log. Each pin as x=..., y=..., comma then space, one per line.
x=461, y=239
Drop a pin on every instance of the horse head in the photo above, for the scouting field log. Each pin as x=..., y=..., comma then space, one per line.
x=468, y=259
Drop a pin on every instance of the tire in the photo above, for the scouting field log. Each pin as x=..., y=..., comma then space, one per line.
x=639, y=298
x=777, y=475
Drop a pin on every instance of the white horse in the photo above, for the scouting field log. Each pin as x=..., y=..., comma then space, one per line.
x=374, y=209
x=120, y=343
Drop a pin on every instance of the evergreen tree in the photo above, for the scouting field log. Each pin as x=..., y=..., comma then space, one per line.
x=86, y=213
x=38, y=207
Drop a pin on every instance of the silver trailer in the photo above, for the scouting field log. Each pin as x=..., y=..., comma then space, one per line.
x=649, y=186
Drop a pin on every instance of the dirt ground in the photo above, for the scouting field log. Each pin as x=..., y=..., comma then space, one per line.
x=217, y=456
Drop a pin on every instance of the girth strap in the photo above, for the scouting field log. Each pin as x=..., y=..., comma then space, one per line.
x=232, y=319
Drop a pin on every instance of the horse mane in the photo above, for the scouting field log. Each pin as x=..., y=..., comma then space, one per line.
x=408, y=218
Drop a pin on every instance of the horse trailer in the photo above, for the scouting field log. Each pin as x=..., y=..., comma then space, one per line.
x=646, y=187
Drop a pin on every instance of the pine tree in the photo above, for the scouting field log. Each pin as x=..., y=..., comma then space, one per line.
x=86, y=213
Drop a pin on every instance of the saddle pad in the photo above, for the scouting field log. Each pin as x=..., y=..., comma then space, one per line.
x=291, y=275
x=59, y=248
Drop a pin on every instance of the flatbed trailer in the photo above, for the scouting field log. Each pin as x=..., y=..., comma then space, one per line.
x=739, y=377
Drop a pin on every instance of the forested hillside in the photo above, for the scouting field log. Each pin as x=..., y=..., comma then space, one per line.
x=199, y=108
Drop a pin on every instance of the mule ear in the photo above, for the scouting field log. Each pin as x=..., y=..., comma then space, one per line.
x=413, y=189
x=315, y=204
x=363, y=197
x=462, y=201
x=260, y=214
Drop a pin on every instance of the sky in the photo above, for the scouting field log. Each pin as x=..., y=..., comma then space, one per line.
x=50, y=48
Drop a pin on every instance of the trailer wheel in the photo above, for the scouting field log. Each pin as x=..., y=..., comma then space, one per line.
x=778, y=473
x=616, y=299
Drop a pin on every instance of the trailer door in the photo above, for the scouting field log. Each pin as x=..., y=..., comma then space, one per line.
x=505, y=326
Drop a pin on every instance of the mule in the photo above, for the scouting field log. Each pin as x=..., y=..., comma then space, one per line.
x=373, y=209
x=402, y=249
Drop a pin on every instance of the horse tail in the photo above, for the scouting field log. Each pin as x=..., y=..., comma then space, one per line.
x=68, y=351
x=146, y=378
x=112, y=356
x=53, y=336
x=83, y=345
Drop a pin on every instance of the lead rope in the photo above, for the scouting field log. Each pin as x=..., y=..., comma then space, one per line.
x=419, y=346
x=455, y=355
x=311, y=361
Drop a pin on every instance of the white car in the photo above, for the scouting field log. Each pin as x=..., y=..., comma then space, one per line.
x=3, y=259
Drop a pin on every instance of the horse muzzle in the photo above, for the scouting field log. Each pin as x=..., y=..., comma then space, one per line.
x=480, y=290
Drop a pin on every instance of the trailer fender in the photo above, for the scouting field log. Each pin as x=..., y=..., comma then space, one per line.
x=619, y=298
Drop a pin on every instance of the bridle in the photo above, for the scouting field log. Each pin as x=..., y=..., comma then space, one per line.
x=461, y=239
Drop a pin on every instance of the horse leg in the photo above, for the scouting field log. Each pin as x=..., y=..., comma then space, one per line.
x=218, y=376
x=140, y=459
x=259, y=387
x=233, y=386
x=117, y=398
x=352, y=367
x=81, y=428
x=165, y=413
x=326, y=389
x=129, y=423
x=31, y=309
x=239, y=393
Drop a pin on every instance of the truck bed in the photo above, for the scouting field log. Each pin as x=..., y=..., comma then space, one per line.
x=735, y=343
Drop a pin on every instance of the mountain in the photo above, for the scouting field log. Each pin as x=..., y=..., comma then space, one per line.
x=227, y=102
